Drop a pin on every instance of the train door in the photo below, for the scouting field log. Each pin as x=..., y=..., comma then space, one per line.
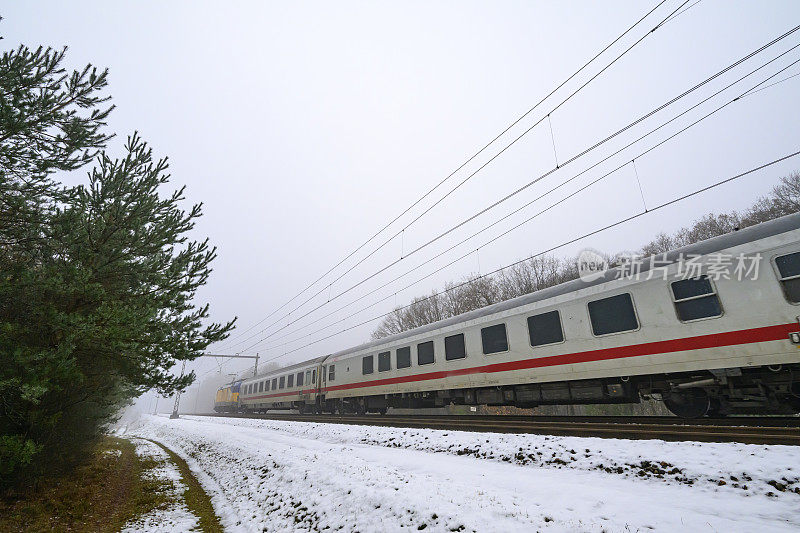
x=305, y=395
x=323, y=382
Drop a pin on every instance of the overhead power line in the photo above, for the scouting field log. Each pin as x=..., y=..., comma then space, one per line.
x=524, y=187
x=567, y=243
x=517, y=226
x=672, y=15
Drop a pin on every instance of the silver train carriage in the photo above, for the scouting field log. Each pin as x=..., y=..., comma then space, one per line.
x=702, y=340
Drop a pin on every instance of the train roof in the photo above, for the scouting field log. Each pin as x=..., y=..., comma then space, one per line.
x=286, y=369
x=709, y=246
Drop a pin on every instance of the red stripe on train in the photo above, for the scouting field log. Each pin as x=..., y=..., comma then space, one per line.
x=716, y=340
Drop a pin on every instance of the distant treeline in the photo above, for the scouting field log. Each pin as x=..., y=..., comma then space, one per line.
x=473, y=292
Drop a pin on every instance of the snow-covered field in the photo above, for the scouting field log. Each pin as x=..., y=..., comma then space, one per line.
x=267, y=475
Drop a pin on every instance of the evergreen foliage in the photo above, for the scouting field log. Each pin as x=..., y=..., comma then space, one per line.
x=96, y=281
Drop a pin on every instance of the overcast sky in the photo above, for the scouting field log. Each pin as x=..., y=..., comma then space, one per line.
x=304, y=127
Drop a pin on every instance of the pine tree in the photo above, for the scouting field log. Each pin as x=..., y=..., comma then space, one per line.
x=96, y=281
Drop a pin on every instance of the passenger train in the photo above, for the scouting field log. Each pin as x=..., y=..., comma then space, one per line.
x=704, y=342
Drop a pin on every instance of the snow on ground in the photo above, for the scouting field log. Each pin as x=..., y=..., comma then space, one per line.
x=175, y=516
x=267, y=475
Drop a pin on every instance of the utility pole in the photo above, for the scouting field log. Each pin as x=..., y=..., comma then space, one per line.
x=183, y=369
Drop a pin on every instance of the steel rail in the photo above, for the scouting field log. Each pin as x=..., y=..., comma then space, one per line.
x=746, y=430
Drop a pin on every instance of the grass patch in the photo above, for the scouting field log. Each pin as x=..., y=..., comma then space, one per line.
x=101, y=495
x=195, y=497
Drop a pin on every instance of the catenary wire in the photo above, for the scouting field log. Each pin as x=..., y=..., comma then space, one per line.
x=544, y=210
x=475, y=155
x=526, y=186
x=572, y=241
x=546, y=193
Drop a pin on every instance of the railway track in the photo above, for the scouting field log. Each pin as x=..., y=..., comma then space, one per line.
x=747, y=430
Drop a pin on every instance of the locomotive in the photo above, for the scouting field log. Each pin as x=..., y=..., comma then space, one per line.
x=677, y=328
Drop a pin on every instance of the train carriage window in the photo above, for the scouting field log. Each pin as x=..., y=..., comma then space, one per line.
x=545, y=328
x=323, y=374
x=282, y=382
x=789, y=270
x=274, y=383
x=314, y=377
x=366, y=365
x=290, y=381
x=308, y=378
x=261, y=387
x=331, y=372
x=425, y=354
x=494, y=339
x=613, y=315
x=299, y=379
x=404, y=357
x=454, y=347
x=695, y=299
x=384, y=361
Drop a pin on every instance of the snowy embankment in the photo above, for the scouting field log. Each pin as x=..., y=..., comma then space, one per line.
x=272, y=476
x=174, y=516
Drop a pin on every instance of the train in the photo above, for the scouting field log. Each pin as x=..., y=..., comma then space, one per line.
x=681, y=331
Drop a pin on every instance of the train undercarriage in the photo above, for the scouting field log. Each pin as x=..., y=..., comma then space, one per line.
x=742, y=391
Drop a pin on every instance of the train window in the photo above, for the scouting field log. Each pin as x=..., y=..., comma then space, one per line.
x=404, y=357
x=366, y=365
x=494, y=339
x=299, y=379
x=323, y=374
x=789, y=270
x=266, y=385
x=331, y=372
x=274, y=383
x=613, y=314
x=384, y=361
x=695, y=299
x=261, y=387
x=425, y=353
x=282, y=382
x=290, y=381
x=314, y=377
x=545, y=328
x=454, y=347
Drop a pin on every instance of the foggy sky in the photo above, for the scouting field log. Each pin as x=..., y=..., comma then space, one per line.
x=305, y=127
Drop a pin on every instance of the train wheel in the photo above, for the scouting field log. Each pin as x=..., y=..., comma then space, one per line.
x=689, y=403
